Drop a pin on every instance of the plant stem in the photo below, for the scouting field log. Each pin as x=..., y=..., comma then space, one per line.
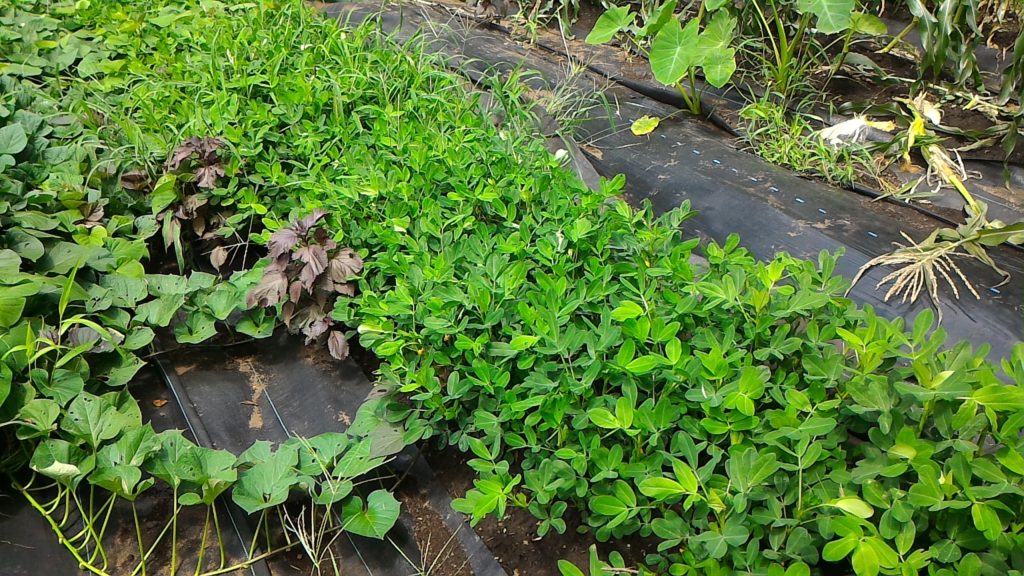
x=899, y=37
x=138, y=536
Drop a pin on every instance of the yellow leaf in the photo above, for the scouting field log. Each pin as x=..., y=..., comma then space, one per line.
x=644, y=125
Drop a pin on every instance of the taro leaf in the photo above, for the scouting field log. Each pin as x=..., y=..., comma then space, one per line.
x=833, y=15
x=644, y=125
x=337, y=344
x=658, y=18
x=717, y=544
x=716, y=57
x=719, y=66
x=345, y=265
x=868, y=24
x=13, y=139
x=39, y=415
x=269, y=291
x=92, y=419
x=62, y=461
x=614, y=20
x=674, y=51
x=207, y=176
x=376, y=519
x=267, y=483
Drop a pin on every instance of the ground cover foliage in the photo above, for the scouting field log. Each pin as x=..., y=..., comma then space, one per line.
x=745, y=414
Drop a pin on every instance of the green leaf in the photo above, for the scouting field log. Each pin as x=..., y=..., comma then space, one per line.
x=60, y=460
x=606, y=505
x=1000, y=397
x=986, y=520
x=566, y=568
x=610, y=23
x=627, y=311
x=522, y=342
x=10, y=264
x=867, y=24
x=836, y=550
x=13, y=139
x=93, y=420
x=644, y=364
x=865, y=561
x=267, y=483
x=603, y=418
x=165, y=193
x=376, y=519
x=674, y=51
x=662, y=488
x=855, y=506
x=10, y=311
x=833, y=15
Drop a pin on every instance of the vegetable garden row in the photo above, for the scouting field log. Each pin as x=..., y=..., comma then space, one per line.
x=187, y=171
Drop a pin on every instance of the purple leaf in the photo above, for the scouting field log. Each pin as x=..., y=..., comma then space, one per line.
x=135, y=180
x=315, y=258
x=269, y=291
x=345, y=265
x=337, y=345
x=345, y=289
x=208, y=176
x=295, y=292
x=282, y=242
x=316, y=328
x=303, y=225
x=182, y=153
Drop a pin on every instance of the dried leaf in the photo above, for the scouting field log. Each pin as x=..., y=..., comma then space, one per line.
x=218, y=257
x=269, y=291
x=159, y=403
x=345, y=265
x=282, y=242
x=337, y=345
x=207, y=176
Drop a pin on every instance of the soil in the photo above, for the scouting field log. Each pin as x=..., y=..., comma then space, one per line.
x=514, y=540
x=442, y=554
